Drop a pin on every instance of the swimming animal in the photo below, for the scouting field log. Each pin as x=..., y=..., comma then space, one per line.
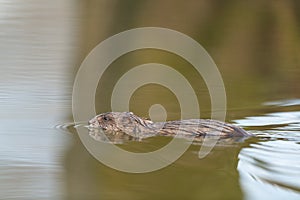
x=131, y=124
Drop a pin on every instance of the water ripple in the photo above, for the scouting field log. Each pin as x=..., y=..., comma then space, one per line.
x=272, y=164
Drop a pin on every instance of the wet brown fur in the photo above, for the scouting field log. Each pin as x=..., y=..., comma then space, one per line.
x=129, y=123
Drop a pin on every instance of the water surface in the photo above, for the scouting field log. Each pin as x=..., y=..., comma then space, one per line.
x=255, y=46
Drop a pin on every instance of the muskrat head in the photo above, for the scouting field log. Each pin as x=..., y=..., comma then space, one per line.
x=106, y=121
x=116, y=121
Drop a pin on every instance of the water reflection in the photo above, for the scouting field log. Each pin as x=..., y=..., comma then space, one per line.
x=189, y=175
x=272, y=165
x=35, y=57
x=279, y=119
x=268, y=165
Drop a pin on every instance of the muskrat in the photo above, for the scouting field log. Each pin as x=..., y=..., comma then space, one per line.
x=129, y=123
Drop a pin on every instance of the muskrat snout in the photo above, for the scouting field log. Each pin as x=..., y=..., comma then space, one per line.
x=93, y=123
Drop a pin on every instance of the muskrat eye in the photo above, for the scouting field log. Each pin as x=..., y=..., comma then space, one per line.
x=105, y=118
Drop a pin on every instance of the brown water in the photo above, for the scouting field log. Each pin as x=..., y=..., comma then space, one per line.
x=255, y=46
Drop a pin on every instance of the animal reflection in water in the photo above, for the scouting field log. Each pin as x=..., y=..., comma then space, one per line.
x=117, y=127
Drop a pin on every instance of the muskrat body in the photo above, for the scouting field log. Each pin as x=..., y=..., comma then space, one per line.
x=128, y=123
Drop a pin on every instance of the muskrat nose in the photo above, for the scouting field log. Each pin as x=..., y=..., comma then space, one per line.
x=92, y=122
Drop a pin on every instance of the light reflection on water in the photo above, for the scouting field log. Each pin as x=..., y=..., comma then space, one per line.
x=30, y=157
x=272, y=165
x=35, y=54
x=272, y=119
